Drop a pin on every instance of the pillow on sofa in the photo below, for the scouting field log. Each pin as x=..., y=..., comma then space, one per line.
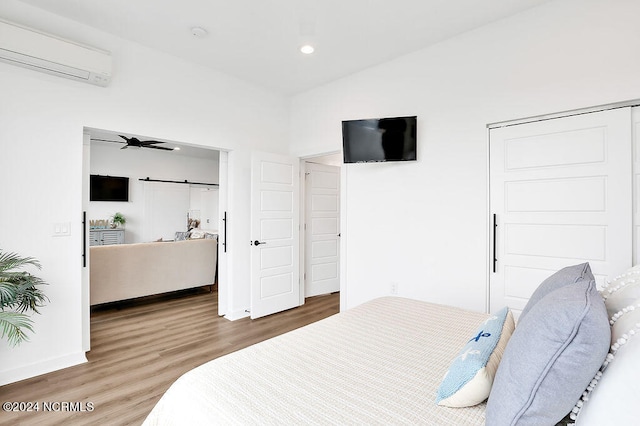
x=551, y=357
x=565, y=276
x=196, y=234
x=181, y=236
x=470, y=376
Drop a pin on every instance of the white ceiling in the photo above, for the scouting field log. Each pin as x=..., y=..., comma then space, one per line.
x=258, y=40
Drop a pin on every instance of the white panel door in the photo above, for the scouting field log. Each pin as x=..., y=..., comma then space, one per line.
x=561, y=194
x=275, y=229
x=636, y=184
x=322, y=222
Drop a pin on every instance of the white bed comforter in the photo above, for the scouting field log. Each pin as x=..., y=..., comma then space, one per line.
x=378, y=363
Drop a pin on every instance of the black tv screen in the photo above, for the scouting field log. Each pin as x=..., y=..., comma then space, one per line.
x=108, y=188
x=380, y=139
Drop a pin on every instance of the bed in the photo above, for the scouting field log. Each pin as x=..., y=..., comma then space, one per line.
x=383, y=362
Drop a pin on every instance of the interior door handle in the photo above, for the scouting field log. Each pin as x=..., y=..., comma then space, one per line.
x=257, y=243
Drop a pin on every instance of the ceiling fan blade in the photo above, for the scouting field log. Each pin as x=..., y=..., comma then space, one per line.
x=105, y=140
x=136, y=143
x=157, y=147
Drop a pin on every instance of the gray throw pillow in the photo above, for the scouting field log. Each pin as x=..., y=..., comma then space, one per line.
x=551, y=358
x=565, y=276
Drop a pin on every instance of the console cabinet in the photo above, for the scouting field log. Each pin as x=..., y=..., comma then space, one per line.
x=104, y=237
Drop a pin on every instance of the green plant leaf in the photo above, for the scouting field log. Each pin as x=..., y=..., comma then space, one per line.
x=18, y=295
x=12, y=325
x=8, y=295
x=9, y=261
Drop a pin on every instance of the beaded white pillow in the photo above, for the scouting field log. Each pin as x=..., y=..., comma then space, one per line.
x=615, y=389
x=622, y=291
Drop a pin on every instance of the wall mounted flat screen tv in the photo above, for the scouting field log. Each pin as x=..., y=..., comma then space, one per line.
x=108, y=188
x=380, y=139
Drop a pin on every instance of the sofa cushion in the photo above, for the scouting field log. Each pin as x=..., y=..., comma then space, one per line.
x=551, y=357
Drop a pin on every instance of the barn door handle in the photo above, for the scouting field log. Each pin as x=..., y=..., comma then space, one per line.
x=84, y=239
x=257, y=243
x=224, y=242
x=495, y=252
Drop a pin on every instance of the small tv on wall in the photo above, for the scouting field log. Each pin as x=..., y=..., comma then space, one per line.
x=108, y=188
x=379, y=139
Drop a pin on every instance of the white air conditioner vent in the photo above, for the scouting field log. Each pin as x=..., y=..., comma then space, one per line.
x=42, y=52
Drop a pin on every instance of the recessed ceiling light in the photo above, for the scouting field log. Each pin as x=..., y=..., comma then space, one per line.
x=307, y=49
x=176, y=148
x=199, y=32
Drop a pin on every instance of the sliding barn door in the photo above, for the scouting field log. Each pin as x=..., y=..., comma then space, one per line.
x=636, y=184
x=561, y=194
x=166, y=206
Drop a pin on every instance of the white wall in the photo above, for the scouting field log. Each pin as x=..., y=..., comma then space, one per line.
x=139, y=164
x=423, y=225
x=41, y=135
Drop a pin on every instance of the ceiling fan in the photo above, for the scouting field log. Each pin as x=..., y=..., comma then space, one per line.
x=137, y=143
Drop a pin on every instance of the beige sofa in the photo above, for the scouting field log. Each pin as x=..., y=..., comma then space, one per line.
x=125, y=271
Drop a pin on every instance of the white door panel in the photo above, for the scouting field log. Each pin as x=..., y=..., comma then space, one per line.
x=322, y=213
x=275, y=227
x=166, y=206
x=560, y=190
x=636, y=184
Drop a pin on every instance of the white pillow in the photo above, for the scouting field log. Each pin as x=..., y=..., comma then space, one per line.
x=613, y=395
x=196, y=234
x=470, y=377
x=624, y=321
x=622, y=297
x=622, y=291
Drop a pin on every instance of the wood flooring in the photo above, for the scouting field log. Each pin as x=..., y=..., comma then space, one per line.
x=138, y=349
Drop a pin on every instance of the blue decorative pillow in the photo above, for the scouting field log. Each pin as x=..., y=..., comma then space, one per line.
x=470, y=376
x=552, y=356
x=565, y=276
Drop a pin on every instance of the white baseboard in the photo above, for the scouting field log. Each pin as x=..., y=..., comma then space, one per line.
x=39, y=368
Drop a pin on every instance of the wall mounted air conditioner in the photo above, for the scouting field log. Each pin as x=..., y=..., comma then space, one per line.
x=42, y=52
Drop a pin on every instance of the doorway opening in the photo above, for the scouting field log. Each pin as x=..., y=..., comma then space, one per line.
x=175, y=192
x=320, y=213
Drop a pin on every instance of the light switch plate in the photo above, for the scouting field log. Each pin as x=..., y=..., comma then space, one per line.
x=61, y=229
